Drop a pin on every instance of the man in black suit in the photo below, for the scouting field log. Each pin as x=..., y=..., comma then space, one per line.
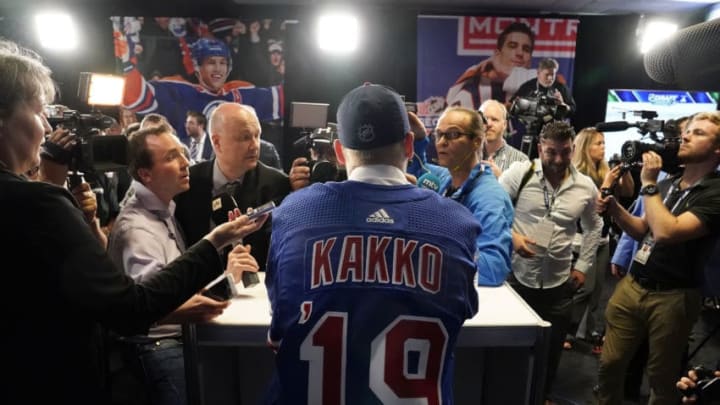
x=198, y=141
x=236, y=169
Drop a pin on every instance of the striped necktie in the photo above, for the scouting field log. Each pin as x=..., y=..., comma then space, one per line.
x=194, y=146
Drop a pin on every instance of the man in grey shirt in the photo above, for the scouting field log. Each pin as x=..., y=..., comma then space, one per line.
x=496, y=152
x=144, y=239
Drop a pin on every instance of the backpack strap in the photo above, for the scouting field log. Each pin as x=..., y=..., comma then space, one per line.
x=523, y=182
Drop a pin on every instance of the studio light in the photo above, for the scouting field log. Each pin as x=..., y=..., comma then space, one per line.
x=56, y=31
x=102, y=89
x=338, y=32
x=655, y=32
x=713, y=13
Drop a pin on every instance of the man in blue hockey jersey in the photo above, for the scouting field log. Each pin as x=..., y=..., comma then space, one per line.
x=371, y=279
x=174, y=96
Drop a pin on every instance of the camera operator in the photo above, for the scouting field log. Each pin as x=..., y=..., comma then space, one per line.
x=661, y=297
x=56, y=173
x=87, y=148
x=546, y=85
x=697, y=381
x=323, y=164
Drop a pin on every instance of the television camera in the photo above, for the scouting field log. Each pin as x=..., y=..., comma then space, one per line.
x=323, y=164
x=631, y=152
x=664, y=134
x=92, y=151
x=535, y=111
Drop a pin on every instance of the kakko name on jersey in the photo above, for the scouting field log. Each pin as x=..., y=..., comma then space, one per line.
x=366, y=259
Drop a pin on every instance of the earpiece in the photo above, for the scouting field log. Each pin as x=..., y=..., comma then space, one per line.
x=463, y=161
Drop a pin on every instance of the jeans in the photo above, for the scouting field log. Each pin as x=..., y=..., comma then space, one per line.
x=587, y=299
x=555, y=306
x=164, y=371
x=633, y=314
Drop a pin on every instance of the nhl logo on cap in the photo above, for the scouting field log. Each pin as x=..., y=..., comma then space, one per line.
x=366, y=133
x=371, y=116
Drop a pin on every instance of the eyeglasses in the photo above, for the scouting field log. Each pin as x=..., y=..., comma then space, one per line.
x=451, y=135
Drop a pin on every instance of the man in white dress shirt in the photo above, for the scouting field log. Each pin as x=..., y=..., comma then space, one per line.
x=550, y=197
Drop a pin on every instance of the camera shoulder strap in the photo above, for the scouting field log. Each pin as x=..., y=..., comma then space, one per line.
x=523, y=182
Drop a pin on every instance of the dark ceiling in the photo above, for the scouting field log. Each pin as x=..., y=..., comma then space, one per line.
x=568, y=7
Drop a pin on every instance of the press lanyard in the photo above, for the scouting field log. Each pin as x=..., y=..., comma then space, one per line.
x=679, y=200
x=643, y=253
x=501, y=163
x=503, y=157
x=549, y=198
x=499, y=153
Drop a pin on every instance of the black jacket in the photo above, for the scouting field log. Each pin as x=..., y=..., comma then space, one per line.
x=260, y=185
x=530, y=87
x=59, y=286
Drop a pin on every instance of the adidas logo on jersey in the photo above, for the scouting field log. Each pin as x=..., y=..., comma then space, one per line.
x=380, y=217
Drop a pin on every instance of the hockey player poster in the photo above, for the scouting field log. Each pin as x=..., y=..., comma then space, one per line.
x=173, y=65
x=467, y=60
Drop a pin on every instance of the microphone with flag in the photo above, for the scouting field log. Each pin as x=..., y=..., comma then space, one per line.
x=222, y=204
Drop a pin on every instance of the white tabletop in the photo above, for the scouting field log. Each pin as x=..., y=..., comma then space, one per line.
x=503, y=319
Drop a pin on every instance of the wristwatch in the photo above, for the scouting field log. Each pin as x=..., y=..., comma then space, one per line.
x=650, y=189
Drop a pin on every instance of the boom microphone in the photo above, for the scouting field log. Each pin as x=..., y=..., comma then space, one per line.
x=690, y=59
x=612, y=126
x=429, y=181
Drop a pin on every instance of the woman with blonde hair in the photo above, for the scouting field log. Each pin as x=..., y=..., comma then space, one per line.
x=589, y=159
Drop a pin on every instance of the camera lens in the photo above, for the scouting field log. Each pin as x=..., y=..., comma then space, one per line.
x=630, y=151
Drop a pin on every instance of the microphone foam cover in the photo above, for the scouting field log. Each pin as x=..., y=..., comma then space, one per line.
x=690, y=59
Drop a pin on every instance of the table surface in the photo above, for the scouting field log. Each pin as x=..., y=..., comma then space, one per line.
x=502, y=315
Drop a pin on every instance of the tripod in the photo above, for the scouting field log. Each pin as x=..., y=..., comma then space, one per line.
x=528, y=144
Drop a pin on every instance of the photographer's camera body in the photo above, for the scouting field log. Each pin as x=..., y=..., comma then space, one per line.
x=322, y=163
x=538, y=108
